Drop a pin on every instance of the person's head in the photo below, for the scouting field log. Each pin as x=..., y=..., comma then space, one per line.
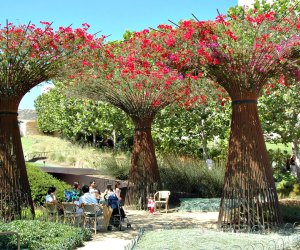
x=151, y=196
x=51, y=190
x=117, y=184
x=76, y=185
x=109, y=187
x=93, y=183
x=85, y=189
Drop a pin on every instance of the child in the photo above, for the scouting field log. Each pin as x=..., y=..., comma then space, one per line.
x=151, y=204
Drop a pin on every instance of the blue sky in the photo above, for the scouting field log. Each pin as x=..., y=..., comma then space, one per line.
x=110, y=17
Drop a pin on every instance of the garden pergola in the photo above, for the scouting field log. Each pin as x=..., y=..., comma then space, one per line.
x=29, y=55
x=133, y=76
x=241, y=54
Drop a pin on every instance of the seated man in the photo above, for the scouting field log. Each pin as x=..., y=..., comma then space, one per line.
x=87, y=198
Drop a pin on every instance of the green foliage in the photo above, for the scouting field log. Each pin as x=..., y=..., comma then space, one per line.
x=290, y=210
x=296, y=189
x=279, y=112
x=36, y=235
x=177, y=174
x=40, y=182
x=262, y=6
x=285, y=184
x=278, y=159
x=79, y=119
x=191, y=176
x=117, y=167
x=188, y=131
x=284, y=176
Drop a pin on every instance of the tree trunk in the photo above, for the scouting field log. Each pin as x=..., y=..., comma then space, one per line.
x=94, y=139
x=144, y=175
x=14, y=186
x=114, y=138
x=249, y=197
x=204, y=141
x=296, y=153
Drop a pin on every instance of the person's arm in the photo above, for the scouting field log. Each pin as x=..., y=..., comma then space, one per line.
x=118, y=193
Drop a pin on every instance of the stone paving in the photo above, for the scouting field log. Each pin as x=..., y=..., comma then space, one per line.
x=115, y=239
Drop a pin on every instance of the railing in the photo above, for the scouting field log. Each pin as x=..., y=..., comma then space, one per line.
x=40, y=155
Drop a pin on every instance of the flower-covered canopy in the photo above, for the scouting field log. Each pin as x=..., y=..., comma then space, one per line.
x=29, y=55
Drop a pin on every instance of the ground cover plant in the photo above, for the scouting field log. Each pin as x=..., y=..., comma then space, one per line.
x=37, y=235
x=199, y=204
x=198, y=238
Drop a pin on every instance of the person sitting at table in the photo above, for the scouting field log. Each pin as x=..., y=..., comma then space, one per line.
x=87, y=198
x=76, y=189
x=51, y=198
x=93, y=187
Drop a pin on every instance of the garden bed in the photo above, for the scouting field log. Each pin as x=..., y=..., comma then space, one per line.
x=35, y=234
x=212, y=239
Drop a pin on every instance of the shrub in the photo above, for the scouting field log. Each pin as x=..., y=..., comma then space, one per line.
x=278, y=159
x=71, y=160
x=61, y=158
x=117, y=167
x=285, y=185
x=177, y=174
x=296, y=190
x=290, y=210
x=37, y=234
x=191, y=176
x=40, y=182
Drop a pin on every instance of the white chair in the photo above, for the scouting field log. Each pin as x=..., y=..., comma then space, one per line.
x=162, y=197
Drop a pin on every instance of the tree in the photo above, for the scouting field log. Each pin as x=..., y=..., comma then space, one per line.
x=79, y=120
x=241, y=53
x=29, y=55
x=132, y=76
x=280, y=113
x=187, y=128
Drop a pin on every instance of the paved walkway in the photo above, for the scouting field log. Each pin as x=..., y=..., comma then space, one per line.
x=115, y=239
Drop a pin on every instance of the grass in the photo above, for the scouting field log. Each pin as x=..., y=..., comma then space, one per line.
x=26, y=143
x=64, y=153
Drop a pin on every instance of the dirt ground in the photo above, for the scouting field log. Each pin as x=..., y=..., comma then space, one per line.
x=116, y=239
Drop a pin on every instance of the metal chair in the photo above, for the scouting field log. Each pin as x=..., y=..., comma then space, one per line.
x=70, y=213
x=51, y=211
x=92, y=214
x=162, y=197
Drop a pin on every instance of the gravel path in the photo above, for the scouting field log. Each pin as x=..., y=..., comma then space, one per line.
x=115, y=239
